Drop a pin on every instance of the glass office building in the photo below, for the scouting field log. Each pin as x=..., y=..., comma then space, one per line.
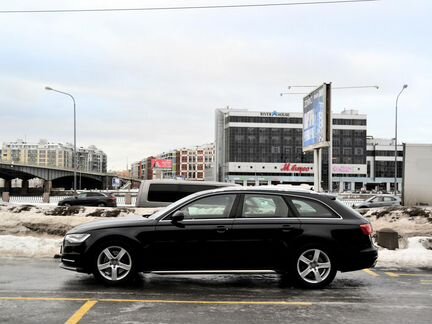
x=261, y=147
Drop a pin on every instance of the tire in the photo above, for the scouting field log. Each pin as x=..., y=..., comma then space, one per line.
x=313, y=267
x=66, y=205
x=111, y=269
x=101, y=204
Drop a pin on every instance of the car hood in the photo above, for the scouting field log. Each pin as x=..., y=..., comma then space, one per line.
x=103, y=224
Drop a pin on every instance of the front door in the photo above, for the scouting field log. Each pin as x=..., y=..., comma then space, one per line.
x=200, y=241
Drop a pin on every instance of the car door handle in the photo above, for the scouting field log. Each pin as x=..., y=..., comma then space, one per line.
x=221, y=229
x=287, y=228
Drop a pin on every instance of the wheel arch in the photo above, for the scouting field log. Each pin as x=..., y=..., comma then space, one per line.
x=328, y=244
x=134, y=244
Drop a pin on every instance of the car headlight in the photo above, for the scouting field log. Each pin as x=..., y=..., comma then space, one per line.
x=76, y=238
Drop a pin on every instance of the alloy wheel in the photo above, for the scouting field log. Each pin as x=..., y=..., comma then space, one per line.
x=114, y=263
x=314, y=266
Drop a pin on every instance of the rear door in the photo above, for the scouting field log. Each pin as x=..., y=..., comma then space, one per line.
x=377, y=201
x=94, y=198
x=82, y=199
x=263, y=230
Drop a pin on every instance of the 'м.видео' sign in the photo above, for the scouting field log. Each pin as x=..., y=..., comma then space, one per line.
x=294, y=168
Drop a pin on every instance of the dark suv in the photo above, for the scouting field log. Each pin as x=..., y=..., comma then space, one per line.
x=90, y=199
x=305, y=236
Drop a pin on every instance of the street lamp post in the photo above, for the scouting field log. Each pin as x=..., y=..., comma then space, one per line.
x=75, y=150
x=395, y=153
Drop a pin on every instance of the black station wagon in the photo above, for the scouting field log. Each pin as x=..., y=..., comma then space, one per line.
x=302, y=235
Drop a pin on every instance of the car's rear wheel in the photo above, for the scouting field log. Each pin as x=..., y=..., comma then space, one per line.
x=114, y=263
x=314, y=267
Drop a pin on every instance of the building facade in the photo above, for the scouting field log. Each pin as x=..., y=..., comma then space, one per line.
x=55, y=155
x=137, y=169
x=260, y=148
x=196, y=163
x=187, y=163
x=381, y=164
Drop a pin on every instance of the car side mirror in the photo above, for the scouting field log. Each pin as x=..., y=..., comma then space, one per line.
x=177, y=217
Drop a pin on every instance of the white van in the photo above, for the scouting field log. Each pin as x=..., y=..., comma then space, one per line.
x=160, y=193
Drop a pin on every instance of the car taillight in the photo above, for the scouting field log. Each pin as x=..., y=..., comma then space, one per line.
x=366, y=229
x=113, y=198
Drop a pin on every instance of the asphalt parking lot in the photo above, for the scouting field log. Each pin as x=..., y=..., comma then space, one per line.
x=38, y=291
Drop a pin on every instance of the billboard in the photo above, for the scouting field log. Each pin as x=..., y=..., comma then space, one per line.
x=116, y=183
x=161, y=164
x=316, y=118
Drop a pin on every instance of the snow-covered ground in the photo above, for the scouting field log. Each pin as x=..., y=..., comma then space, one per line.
x=414, y=255
x=29, y=246
x=37, y=231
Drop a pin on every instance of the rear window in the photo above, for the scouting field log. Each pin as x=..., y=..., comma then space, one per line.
x=312, y=209
x=167, y=192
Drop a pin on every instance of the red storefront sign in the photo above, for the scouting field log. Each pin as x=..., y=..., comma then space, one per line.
x=288, y=167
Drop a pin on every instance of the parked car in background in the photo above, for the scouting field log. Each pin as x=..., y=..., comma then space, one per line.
x=90, y=199
x=161, y=193
x=305, y=236
x=379, y=201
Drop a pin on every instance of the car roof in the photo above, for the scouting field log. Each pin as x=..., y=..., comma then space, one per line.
x=387, y=195
x=191, y=182
x=267, y=189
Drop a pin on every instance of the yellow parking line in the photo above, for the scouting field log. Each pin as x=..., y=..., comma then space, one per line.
x=393, y=274
x=371, y=273
x=426, y=282
x=80, y=313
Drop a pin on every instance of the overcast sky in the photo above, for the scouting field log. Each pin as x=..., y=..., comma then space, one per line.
x=148, y=82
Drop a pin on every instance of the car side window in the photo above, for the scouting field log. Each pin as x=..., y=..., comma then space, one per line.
x=209, y=207
x=312, y=209
x=389, y=199
x=260, y=206
x=82, y=195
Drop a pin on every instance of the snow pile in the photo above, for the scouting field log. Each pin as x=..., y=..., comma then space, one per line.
x=35, y=220
x=415, y=255
x=407, y=221
x=28, y=246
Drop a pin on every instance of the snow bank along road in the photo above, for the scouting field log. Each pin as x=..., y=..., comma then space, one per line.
x=37, y=231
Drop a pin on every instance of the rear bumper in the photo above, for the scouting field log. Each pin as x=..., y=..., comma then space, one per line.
x=356, y=261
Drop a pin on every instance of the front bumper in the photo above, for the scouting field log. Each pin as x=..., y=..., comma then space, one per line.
x=71, y=256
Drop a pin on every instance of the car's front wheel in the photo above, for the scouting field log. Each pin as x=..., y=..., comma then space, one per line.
x=114, y=263
x=314, y=267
